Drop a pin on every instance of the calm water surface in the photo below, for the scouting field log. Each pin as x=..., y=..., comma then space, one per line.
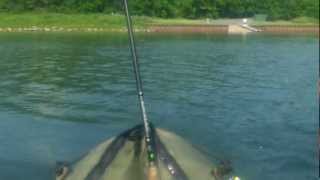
x=251, y=100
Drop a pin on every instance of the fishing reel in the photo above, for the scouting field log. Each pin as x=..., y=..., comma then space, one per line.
x=223, y=171
x=62, y=170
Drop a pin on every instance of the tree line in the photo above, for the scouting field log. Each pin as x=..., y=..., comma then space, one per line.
x=273, y=9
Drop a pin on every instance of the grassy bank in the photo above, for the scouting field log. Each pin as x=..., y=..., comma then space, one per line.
x=105, y=21
x=300, y=21
x=68, y=20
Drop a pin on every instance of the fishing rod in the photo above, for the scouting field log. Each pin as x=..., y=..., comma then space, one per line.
x=147, y=131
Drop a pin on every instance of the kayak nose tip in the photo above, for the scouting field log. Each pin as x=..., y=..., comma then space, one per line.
x=235, y=178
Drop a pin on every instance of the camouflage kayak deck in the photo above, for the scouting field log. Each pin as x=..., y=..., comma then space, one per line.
x=125, y=158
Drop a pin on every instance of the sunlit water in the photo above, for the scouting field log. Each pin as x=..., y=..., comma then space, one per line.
x=251, y=100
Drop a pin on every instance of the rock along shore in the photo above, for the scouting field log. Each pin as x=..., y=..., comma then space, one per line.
x=313, y=29
x=171, y=29
x=61, y=29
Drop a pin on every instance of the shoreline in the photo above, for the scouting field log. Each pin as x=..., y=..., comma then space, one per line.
x=58, y=22
x=215, y=29
x=313, y=29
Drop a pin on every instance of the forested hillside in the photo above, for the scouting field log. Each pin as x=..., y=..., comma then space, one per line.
x=274, y=9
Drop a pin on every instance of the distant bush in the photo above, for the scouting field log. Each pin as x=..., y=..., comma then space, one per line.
x=260, y=17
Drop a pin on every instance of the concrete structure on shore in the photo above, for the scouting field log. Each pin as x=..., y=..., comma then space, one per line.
x=241, y=27
x=237, y=29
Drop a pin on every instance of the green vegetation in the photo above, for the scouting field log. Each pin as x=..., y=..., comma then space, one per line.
x=107, y=14
x=191, y=9
x=305, y=20
x=58, y=20
x=300, y=21
x=68, y=20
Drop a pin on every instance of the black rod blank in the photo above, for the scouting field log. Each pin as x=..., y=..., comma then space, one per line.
x=137, y=75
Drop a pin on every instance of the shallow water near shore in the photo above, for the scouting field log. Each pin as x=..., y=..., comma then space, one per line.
x=248, y=99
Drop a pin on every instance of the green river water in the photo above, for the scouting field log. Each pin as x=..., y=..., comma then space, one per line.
x=248, y=99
